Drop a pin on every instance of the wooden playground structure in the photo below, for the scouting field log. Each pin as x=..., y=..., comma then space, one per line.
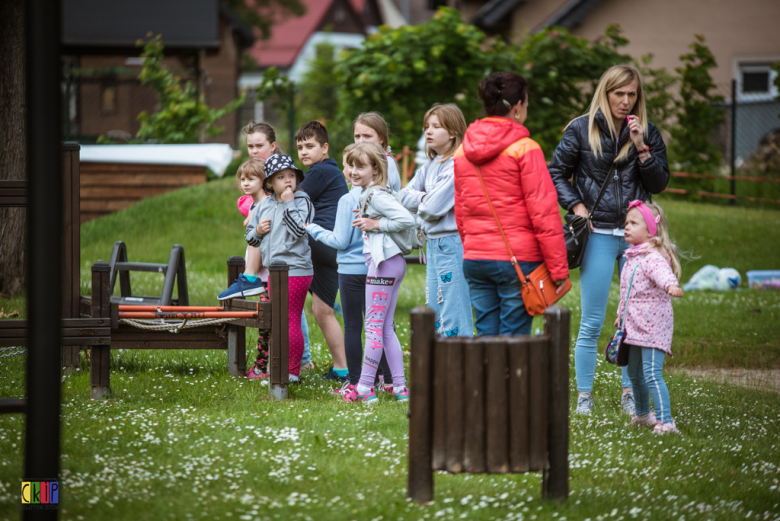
x=101, y=322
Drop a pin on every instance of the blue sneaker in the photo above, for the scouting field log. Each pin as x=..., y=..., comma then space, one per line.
x=241, y=287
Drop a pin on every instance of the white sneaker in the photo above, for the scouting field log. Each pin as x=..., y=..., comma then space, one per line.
x=627, y=402
x=584, y=404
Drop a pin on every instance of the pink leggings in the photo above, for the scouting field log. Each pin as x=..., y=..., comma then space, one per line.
x=298, y=287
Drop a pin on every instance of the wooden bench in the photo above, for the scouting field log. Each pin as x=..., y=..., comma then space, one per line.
x=491, y=405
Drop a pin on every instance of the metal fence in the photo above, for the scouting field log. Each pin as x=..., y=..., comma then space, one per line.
x=749, y=140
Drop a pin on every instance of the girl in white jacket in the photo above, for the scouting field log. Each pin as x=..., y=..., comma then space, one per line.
x=383, y=221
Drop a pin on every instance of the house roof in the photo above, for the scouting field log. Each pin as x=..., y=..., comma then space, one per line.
x=291, y=34
x=572, y=14
x=494, y=11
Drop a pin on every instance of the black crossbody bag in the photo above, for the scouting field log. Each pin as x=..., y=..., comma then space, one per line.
x=576, y=231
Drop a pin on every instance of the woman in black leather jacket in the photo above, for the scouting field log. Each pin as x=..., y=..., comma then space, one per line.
x=634, y=166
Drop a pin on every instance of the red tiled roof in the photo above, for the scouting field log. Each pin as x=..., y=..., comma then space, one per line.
x=289, y=36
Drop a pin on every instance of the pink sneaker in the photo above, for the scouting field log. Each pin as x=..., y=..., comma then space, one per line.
x=344, y=389
x=353, y=396
x=255, y=374
x=665, y=428
x=646, y=420
x=403, y=396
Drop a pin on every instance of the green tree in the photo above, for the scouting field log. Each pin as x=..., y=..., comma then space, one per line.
x=692, y=144
x=184, y=116
x=318, y=92
x=658, y=84
x=563, y=71
x=401, y=72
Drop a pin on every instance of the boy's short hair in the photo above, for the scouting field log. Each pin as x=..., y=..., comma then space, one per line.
x=251, y=168
x=312, y=129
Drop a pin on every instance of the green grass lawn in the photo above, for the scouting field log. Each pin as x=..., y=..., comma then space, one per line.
x=180, y=439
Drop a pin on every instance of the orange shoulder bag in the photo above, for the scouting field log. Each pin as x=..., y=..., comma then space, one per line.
x=537, y=289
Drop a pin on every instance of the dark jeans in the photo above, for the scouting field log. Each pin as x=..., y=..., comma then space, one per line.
x=495, y=295
x=352, y=289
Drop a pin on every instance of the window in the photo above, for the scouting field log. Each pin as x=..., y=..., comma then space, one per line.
x=756, y=82
x=108, y=98
x=435, y=4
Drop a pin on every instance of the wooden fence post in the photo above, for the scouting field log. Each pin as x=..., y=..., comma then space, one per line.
x=420, y=484
x=279, y=356
x=71, y=246
x=455, y=376
x=236, y=334
x=555, y=480
x=100, y=359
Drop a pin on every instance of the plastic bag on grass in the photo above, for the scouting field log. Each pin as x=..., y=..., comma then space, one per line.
x=712, y=277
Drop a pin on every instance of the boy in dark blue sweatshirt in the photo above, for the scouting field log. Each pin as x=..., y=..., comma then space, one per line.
x=325, y=185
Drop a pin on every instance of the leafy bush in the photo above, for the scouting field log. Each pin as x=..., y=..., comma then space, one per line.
x=401, y=72
x=697, y=116
x=563, y=71
x=184, y=117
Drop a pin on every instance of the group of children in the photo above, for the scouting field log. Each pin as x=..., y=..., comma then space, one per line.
x=352, y=241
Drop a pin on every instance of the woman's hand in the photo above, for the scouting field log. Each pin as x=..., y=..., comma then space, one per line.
x=264, y=227
x=560, y=282
x=288, y=195
x=637, y=133
x=582, y=211
x=365, y=224
x=675, y=291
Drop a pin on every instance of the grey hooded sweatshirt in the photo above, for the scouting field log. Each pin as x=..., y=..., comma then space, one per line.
x=287, y=241
x=435, y=181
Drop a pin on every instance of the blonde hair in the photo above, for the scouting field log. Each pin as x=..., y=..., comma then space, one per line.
x=616, y=77
x=377, y=123
x=661, y=240
x=451, y=119
x=251, y=168
x=371, y=154
x=345, y=154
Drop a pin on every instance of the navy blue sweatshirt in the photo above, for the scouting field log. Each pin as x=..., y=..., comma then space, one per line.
x=325, y=185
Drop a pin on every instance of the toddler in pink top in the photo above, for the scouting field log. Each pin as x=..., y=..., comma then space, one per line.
x=648, y=282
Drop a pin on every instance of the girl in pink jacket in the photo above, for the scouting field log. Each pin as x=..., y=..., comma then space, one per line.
x=648, y=281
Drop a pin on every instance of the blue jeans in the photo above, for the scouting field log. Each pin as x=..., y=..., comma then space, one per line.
x=596, y=270
x=495, y=295
x=446, y=289
x=306, y=349
x=645, y=366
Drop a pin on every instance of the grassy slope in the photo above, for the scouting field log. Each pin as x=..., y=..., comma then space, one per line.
x=180, y=438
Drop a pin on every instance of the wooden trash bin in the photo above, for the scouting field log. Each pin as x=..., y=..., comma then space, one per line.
x=491, y=405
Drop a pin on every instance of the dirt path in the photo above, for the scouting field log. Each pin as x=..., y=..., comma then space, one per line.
x=760, y=379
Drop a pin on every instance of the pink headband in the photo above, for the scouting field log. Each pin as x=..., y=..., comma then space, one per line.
x=650, y=220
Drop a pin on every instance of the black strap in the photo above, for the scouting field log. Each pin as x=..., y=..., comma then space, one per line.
x=598, y=199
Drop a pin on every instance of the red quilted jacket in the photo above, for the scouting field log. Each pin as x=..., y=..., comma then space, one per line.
x=522, y=192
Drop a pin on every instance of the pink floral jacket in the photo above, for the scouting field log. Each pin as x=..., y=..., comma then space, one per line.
x=649, y=320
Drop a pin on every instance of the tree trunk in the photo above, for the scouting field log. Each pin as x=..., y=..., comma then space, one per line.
x=13, y=221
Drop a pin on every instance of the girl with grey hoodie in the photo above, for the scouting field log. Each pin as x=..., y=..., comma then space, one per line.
x=278, y=227
x=385, y=225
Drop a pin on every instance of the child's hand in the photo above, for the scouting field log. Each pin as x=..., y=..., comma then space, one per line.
x=365, y=224
x=264, y=227
x=675, y=291
x=617, y=321
x=246, y=221
x=288, y=195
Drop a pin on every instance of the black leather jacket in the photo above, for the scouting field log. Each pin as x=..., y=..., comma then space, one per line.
x=631, y=179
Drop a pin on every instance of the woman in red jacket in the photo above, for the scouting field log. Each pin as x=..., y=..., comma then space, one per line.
x=526, y=204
